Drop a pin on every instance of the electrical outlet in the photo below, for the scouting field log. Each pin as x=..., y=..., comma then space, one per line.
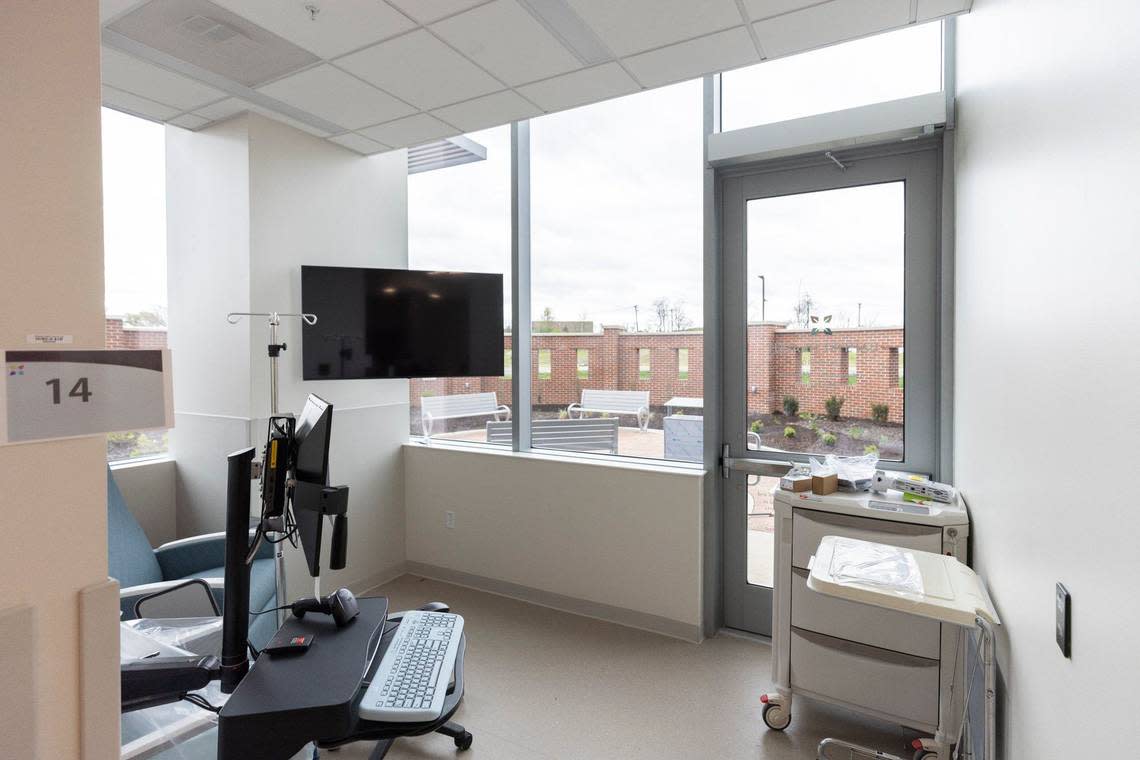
x=449, y=519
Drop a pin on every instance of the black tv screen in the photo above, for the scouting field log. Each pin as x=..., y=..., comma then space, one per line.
x=387, y=323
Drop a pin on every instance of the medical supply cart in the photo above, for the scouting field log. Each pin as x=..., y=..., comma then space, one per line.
x=923, y=586
x=879, y=662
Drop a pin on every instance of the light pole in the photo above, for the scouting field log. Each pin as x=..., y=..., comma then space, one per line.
x=763, y=296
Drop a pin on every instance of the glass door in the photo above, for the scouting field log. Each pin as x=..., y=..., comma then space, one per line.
x=830, y=271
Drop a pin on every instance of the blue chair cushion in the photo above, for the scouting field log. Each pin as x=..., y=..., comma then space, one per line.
x=262, y=582
x=262, y=596
x=130, y=557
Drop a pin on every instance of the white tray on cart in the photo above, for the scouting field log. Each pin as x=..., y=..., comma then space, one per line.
x=928, y=585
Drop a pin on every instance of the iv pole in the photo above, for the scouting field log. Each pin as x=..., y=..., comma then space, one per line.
x=274, y=350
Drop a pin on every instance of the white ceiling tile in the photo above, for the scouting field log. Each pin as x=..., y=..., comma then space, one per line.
x=189, y=121
x=580, y=87
x=355, y=142
x=233, y=106
x=489, y=111
x=335, y=96
x=928, y=10
x=427, y=11
x=134, y=104
x=340, y=26
x=125, y=72
x=829, y=23
x=716, y=52
x=630, y=26
x=109, y=9
x=532, y=53
x=411, y=130
x=420, y=69
x=759, y=9
x=223, y=109
x=287, y=120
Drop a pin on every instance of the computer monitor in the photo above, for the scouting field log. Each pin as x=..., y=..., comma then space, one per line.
x=312, y=438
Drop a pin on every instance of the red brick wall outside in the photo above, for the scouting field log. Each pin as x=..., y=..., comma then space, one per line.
x=117, y=335
x=773, y=369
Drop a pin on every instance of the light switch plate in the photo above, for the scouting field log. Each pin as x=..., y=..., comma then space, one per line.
x=1064, y=619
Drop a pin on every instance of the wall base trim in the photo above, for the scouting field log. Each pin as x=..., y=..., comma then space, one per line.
x=599, y=611
x=379, y=578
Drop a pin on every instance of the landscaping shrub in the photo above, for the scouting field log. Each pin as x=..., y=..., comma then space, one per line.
x=564, y=415
x=855, y=431
x=834, y=405
x=756, y=426
x=828, y=439
x=880, y=412
x=810, y=419
x=791, y=406
x=870, y=448
x=789, y=432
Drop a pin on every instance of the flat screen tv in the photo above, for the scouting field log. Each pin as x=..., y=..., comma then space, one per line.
x=387, y=323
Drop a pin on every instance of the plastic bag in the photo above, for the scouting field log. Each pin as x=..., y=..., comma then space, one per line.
x=855, y=562
x=855, y=473
x=202, y=635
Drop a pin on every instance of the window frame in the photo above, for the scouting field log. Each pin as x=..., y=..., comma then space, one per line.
x=722, y=157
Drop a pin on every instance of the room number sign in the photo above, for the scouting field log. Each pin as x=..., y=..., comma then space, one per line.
x=48, y=394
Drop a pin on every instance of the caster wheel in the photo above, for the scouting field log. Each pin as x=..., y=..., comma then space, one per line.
x=463, y=742
x=775, y=717
x=925, y=755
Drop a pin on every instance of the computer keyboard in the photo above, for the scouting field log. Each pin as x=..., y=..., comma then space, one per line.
x=412, y=679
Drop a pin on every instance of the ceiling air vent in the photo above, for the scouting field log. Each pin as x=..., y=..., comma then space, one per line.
x=212, y=38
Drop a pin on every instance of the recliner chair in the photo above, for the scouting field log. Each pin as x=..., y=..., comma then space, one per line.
x=141, y=569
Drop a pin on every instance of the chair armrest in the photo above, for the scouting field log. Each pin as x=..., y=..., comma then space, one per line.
x=187, y=556
x=128, y=596
x=504, y=409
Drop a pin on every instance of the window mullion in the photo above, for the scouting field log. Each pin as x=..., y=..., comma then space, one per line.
x=520, y=285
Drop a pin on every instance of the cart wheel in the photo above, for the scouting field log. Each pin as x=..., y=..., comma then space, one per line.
x=923, y=754
x=463, y=741
x=775, y=717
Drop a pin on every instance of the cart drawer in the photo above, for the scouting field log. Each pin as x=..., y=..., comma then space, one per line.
x=896, y=686
x=861, y=622
x=809, y=526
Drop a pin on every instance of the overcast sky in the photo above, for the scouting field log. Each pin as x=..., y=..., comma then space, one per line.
x=616, y=199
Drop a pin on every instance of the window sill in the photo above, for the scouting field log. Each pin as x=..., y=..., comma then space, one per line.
x=688, y=469
x=155, y=459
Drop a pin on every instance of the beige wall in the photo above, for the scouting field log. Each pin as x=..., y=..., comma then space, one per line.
x=608, y=534
x=51, y=269
x=1047, y=358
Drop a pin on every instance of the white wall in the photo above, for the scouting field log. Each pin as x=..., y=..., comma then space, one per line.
x=317, y=203
x=53, y=499
x=149, y=489
x=617, y=537
x=1047, y=356
x=249, y=202
x=207, y=252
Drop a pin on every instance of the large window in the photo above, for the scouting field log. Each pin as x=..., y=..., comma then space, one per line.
x=459, y=218
x=134, y=245
x=616, y=266
x=872, y=70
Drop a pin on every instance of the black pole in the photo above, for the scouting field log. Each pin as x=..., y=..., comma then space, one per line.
x=235, y=615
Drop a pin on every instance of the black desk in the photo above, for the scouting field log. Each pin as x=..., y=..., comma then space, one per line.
x=285, y=702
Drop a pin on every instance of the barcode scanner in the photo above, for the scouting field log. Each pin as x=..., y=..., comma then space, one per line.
x=341, y=604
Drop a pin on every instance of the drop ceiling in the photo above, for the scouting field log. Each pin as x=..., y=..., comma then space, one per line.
x=372, y=76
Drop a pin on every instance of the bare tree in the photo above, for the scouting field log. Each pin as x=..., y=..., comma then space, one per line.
x=670, y=316
x=803, y=310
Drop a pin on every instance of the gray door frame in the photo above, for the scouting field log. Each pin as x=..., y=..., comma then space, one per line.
x=919, y=164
